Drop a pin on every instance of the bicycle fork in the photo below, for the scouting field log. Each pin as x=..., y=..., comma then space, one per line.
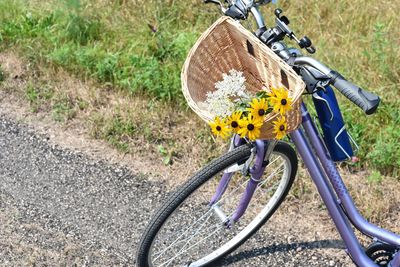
x=263, y=150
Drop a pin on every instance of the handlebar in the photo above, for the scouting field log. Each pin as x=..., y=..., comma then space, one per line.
x=367, y=101
x=239, y=9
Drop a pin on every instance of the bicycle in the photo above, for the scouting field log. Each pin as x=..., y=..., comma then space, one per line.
x=220, y=207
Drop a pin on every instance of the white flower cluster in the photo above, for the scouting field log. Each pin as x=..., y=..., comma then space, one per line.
x=232, y=87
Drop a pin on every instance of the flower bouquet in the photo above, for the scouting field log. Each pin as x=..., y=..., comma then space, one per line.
x=239, y=112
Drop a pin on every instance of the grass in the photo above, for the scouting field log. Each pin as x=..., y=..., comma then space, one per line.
x=89, y=42
x=63, y=109
x=116, y=131
x=38, y=96
x=139, y=47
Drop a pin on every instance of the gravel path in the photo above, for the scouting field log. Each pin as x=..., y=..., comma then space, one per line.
x=62, y=208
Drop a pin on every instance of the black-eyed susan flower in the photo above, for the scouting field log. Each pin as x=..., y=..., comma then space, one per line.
x=233, y=121
x=280, y=127
x=272, y=95
x=250, y=127
x=219, y=128
x=258, y=108
x=280, y=100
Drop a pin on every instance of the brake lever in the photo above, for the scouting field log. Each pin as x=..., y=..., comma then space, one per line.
x=282, y=22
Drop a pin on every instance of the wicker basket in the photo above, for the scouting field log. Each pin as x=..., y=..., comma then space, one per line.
x=227, y=45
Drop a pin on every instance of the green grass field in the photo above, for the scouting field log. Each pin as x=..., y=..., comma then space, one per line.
x=139, y=47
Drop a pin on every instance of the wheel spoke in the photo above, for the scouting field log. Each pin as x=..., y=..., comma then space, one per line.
x=202, y=240
x=185, y=231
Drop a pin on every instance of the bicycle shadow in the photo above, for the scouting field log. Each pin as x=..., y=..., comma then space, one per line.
x=269, y=250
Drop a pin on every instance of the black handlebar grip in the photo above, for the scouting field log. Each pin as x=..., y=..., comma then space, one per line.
x=367, y=101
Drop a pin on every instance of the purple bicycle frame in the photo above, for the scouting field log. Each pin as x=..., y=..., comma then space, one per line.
x=330, y=187
x=340, y=205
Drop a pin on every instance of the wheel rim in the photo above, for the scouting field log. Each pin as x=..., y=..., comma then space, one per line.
x=193, y=235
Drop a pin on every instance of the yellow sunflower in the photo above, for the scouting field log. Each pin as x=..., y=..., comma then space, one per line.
x=233, y=121
x=250, y=127
x=220, y=128
x=280, y=127
x=280, y=100
x=258, y=108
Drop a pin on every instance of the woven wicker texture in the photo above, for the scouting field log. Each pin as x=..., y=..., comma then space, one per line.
x=227, y=45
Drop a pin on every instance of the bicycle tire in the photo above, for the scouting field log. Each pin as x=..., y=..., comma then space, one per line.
x=176, y=200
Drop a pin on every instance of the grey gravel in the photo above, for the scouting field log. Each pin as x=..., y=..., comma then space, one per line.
x=65, y=207
x=59, y=207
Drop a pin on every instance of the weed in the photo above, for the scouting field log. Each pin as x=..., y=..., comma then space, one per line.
x=375, y=177
x=38, y=96
x=62, y=55
x=105, y=128
x=2, y=75
x=32, y=94
x=380, y=53
x=82, y=29
x=385, y=154
x=117, y=130
x=148, y=134
x=82, y=104
x=166, y=154
x=75, y=5
x=88, y=56
x=63, y=109
x=78, y=27
x=121, y=127
x=107, y=68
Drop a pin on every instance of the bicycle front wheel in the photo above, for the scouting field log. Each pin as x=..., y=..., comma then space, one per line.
x=186, y=231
